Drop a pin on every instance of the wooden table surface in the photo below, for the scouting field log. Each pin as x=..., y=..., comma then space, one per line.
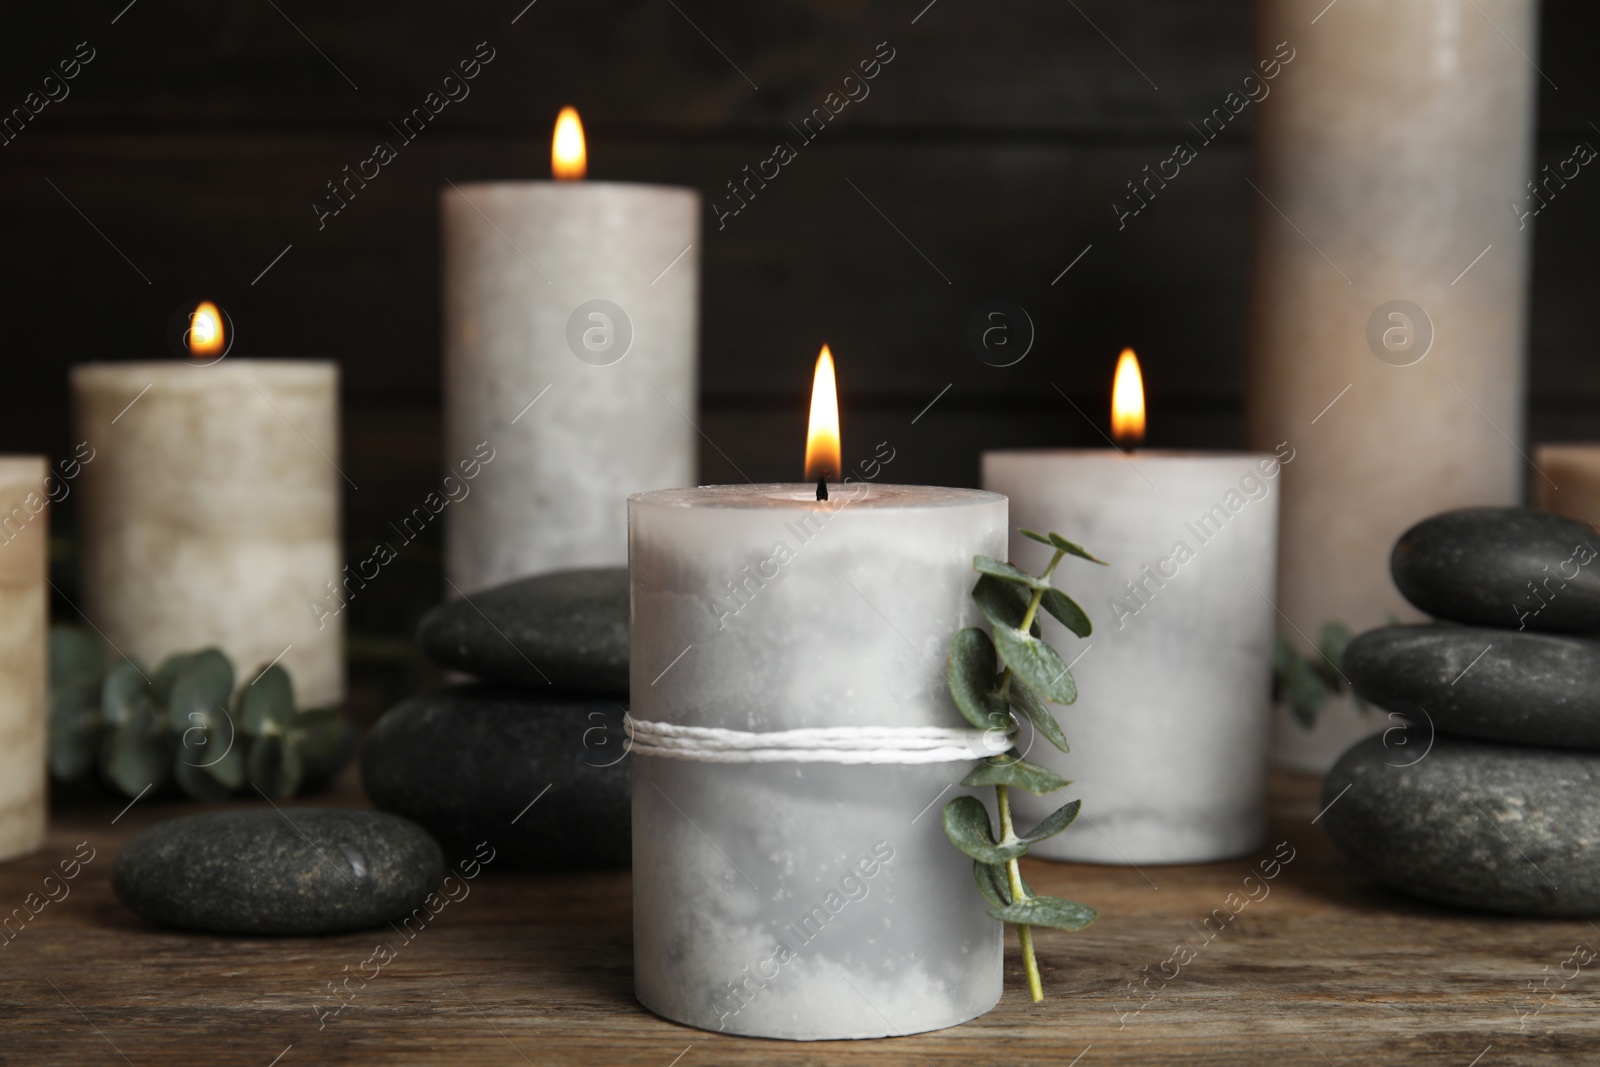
x=1325, y=969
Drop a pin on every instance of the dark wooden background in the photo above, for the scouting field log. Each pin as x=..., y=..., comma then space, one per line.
x=996, y=141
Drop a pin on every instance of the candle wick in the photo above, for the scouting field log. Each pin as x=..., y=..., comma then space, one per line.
x=822, y=486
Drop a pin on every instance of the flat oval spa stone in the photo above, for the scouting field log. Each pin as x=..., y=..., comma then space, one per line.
x=1515, y=568
x=263, y=871
x=467, y=762
x=1502, y=828
x=566, y=631
x=1497, y=685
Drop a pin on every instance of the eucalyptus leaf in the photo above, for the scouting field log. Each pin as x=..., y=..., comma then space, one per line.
x=1306, y=692
x=266, y=703
x=1037, y=664
x=72, y=749
x=276, y=767
x=72, y=701
x=1054, y=823
x=166, y=675
x=124, y=689
x=1011, y=770
x=1047, y=911
x=229, y=767
x=1283, y=657
x=133, y=758
x=213, y=745
x=1335, y=636
x=966, y=824
x=76, y=666
x=995, y=883
x=198, y=784
x=1004, y=603
x=1055, y=540
x=201, y=686
x=1028, y=702
x=973, y=680
x=76, y=657
x=1007, y=573
x=992, y=882
x=1067, y=612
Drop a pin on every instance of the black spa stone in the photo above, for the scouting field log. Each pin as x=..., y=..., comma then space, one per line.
x=564, y=631
x=268, y=871
x=541, y=779
x=1497, y=685
x=1501, y=828
x=1514, y=568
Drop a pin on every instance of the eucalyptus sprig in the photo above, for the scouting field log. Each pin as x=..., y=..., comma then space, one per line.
x=1030, y=674
x=1306, y=682
x=182, y=722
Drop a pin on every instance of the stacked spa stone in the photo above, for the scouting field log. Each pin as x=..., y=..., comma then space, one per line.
x=1490, y=798
x=529, y=757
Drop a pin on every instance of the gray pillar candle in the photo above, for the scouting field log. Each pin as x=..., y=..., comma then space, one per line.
x=1169, y=732
x=790, y=899
x=570, y=334
x=24, y=613
x=1388, y=305
x=210, y=514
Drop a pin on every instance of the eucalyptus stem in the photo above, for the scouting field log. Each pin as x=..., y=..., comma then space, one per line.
x=1003, y=800
x=1014, y=873
x=1038, y=596
x=1031, y=672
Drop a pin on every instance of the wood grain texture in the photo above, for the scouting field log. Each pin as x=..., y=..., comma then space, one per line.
x=1325, y=969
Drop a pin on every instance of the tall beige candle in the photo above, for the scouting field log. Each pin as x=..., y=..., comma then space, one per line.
x=1568, y=480
x=210, y=514
x=571, y=313
x=1388, y=304
x=24, y=613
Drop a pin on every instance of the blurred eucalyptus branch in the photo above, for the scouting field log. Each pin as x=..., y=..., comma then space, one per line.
x=1305, y=683
x=183, y=723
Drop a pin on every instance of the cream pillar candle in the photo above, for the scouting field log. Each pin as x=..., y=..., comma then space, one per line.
x=1169, y=733
x=792, y=899
x=24, y=615
x=1388, y=305
x=1567, y=480
x=210, y=515
x=571, y=312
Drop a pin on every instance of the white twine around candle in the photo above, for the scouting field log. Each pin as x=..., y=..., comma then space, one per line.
x=819, y=744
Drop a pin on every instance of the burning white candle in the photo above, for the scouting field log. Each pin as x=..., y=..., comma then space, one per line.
x=1170, y=730
x=24, y=542
x=571, y=311
x=792, y=896
x=210, y=515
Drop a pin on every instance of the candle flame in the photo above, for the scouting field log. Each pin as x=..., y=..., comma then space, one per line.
x=569, y=158
x=1127, y=401
x=205, y=333
x=822, y=436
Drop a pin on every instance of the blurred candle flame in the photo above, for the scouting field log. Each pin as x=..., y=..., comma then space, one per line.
x=569, y=158
x=822, y=435
x=1127, y=401
x=205, y=333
